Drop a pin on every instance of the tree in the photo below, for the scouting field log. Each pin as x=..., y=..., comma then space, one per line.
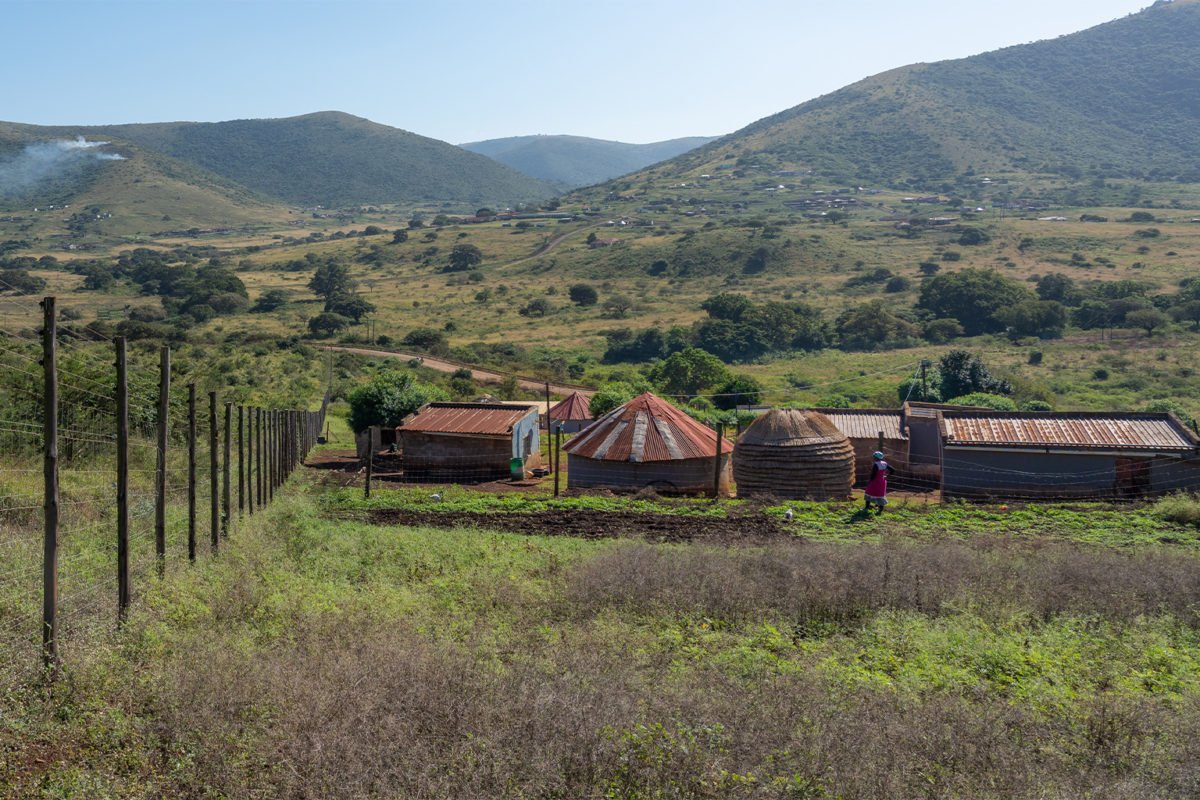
x=1148, y=319
x=19, y=280
x=330, y=280
x=618, y=305
x=1057, y=286
x=739, y=390
x=1188, y=312
x=464, y=256
x=872, y=326
x=609, y=396
x=350, y=305
x=962, y=372
x=270, y=300
x=689, y=372
x=727, y=306
x=325, y=325
x=388, y=398
x=1042, y=318
x=399, y=236
x=537, y=307
x=973, y=297
x=940, y=331
x=583, y=294
x=984, y=400
x=624, y=346
x=428, y=339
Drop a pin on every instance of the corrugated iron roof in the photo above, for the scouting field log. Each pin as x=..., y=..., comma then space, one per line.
x=1146, y=431
x=865, y=423
x=573, y=408
x=467, y=418
x=646, y=429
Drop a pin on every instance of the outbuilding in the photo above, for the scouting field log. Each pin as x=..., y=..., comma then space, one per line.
x=648, y=443
x=794, y=453
x=573, y=413
x=469, y=442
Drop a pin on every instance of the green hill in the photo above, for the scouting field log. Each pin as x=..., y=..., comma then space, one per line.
x=1118, y=100
x=328, y=158
x=577, y=160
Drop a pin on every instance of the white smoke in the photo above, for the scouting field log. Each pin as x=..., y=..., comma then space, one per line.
x=42, y=160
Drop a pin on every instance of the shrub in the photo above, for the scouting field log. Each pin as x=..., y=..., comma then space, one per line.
x=1180, y=508
x=984, y=400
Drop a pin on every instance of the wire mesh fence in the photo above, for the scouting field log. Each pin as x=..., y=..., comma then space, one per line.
x=111, y=479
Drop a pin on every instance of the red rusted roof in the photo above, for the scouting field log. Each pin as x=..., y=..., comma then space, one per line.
x=466, y=418
x=575, y=407
x=646, y=429
x=1090, y=430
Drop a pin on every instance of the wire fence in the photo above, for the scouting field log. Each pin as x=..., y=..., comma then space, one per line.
x=112, y=479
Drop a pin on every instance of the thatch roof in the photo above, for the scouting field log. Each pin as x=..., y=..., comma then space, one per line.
x=793, y=453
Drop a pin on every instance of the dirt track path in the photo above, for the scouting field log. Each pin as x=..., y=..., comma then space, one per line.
x=482, y=375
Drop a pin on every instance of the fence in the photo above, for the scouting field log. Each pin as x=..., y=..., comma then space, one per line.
x=137, y=478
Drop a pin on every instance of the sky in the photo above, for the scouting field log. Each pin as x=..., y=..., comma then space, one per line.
x=465, y=70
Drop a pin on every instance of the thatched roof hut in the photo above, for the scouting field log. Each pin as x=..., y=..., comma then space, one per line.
x=793, y=453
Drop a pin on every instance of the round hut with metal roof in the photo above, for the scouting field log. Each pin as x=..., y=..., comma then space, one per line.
x=648, y=443
x=573, y=413
x=794, y=453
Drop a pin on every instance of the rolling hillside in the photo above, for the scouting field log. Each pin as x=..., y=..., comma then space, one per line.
x=573, y=161
x=328, y=158
x=1117, y=100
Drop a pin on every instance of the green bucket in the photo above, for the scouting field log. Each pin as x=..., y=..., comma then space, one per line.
x=516, y=468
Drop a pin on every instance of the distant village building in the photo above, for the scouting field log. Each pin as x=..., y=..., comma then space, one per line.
x=573, y=413
x=869, y=430
x=648, y=443
x=468, y=442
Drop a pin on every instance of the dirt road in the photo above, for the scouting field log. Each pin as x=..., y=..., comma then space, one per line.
x=481, y=375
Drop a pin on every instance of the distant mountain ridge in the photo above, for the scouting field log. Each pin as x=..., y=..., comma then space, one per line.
x=1120, y=100
x=573, y=161
x=326, y=158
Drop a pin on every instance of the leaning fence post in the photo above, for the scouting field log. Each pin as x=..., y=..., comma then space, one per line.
x=213, y=463
x=191, y=472
x=122, y=478
x=225, y=469
x=50, y=474
x=160, y=471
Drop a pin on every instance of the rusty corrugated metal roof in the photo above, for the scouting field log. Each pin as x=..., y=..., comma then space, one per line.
x=466, y=418
x=573, y=408
x=646, y=429
x=1115, y=431
x=865, y=423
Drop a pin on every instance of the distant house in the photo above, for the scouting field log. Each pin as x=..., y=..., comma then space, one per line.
x=468, y=442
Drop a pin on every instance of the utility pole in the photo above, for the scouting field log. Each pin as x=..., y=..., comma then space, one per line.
x=924, y=380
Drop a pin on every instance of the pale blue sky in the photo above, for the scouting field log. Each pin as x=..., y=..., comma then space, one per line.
x=631, y=70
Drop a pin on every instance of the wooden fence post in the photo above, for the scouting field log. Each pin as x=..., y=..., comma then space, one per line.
x=122, y=478
x=225, y=498
x=50, y=474
x=717, y=462
x=213, y=481
x=557, y=456
x=160, y=471
x=258, y=456
x=241, y=460
x=191, y=472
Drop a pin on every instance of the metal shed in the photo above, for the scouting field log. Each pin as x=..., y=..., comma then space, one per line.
x=573, y=413
x=468, y=442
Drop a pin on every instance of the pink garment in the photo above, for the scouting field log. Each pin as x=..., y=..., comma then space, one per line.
x=878, y=485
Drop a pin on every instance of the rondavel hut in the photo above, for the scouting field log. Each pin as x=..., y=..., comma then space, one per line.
x=648, y=443
x=573, y=413
x=793, y=453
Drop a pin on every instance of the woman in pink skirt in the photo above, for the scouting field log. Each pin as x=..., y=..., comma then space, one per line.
x=876, y=494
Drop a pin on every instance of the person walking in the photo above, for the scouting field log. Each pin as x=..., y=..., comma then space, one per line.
x=876, y=493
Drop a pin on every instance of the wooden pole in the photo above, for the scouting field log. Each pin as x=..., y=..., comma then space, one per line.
x=122, y=478
x=251, y=449
x=557, y=456
x=160, y=470
x=717, y=462
x=214, y=505
x=191, y=472
x=50, y=474
x=258, y=456
x=225, y=498
x=241, y=459
x=370, y=462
